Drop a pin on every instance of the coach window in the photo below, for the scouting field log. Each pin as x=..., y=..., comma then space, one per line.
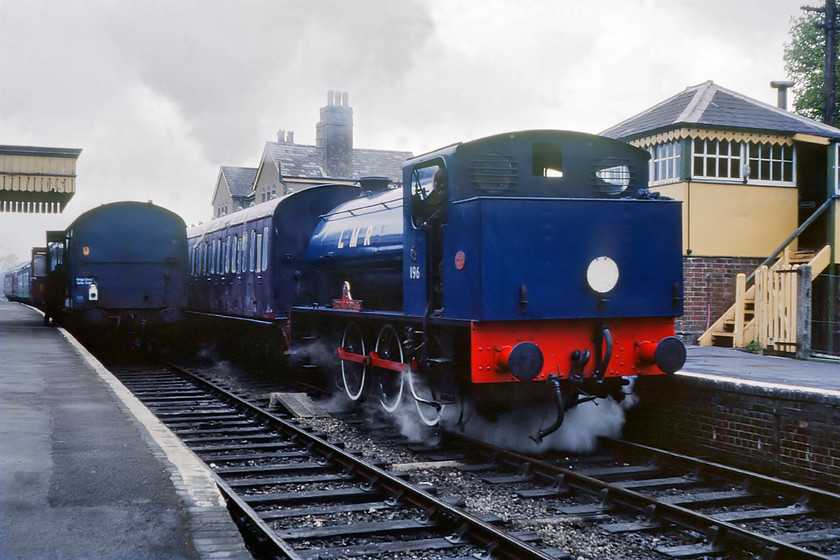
x=265, y=249
x=252, y=252
x=258, y=253
x=234, y=241
x=243, y=252
x=225, y=252
x=217, y=247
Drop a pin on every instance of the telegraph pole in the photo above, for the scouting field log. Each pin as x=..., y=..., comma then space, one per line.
x=830, y=61
x=830, y=65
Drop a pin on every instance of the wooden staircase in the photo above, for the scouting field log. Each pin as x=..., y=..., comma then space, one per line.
x=737, y=328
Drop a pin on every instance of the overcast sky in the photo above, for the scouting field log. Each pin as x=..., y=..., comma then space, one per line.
x=160, y=93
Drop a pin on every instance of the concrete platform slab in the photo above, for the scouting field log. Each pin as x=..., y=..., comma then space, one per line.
x=85, y=470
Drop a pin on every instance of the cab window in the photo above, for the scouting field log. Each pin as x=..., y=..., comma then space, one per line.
x=428, y=192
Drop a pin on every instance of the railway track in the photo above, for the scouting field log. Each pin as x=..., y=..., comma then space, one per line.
x=685, y=507
x=719, y=511
x=304, y=497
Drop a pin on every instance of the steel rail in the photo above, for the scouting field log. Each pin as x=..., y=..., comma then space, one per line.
x=793, y=490
x=465, y=526
x=719, y=531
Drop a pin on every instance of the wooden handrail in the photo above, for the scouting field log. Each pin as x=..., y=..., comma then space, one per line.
x=811, y=219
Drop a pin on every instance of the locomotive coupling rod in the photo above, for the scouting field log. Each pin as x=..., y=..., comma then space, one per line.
x=561, y=411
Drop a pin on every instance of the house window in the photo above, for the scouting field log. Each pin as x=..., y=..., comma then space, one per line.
x=770, y=162
x=719, y=159
x=665, y=162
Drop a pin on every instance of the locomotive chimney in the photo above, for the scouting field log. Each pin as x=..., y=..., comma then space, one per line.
x=334, y=133
x=782, y=86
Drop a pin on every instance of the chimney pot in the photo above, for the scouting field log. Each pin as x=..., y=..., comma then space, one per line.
x=290, y=137
x=782, y=86
x=330, y=98
x=281, y=136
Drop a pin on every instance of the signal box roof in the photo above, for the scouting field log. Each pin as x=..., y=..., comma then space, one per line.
x=709, y=105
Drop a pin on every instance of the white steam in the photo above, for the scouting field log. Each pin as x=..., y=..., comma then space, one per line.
x=579, y=433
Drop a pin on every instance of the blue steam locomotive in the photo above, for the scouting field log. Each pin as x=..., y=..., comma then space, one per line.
x=530, y=268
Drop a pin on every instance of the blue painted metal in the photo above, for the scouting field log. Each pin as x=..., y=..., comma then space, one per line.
x=133, y=253
x=527, y=258
x=361, y=242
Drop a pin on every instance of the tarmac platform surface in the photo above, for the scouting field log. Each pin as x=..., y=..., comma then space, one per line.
x=790, y=373
x=85, y=470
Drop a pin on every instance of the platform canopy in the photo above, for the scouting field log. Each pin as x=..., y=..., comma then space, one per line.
x=37, y=180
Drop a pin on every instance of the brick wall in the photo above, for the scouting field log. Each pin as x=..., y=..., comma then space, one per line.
x=779, y=432
x=709, y=290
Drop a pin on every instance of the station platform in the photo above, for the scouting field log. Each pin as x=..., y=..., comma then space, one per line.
x=745, y=367
x=85, y=470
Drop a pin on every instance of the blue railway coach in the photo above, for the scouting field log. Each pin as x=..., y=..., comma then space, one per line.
x=17, y=283
x=120, y=267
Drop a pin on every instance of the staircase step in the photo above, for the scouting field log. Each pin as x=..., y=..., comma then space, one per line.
x=724, y=339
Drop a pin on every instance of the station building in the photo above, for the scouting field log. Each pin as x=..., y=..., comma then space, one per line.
x=37, y=180
x=287, y=167
x=750, y=176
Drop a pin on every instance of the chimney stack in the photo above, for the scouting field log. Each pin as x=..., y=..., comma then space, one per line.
x=334, y=133
x=782, y=86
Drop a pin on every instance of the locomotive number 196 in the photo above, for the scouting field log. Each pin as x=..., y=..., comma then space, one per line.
x=414, y=272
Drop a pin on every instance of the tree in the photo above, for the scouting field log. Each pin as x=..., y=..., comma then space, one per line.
x=805, y=64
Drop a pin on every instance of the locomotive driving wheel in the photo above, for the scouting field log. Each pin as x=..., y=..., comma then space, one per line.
x=390, y=382
x=353, y=373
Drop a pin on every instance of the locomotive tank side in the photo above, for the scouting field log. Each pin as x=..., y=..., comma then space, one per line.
x=361, y=243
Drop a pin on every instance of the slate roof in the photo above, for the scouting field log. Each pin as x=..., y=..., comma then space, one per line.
x=299, y=160
x=240, y=180
x=709, y=105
